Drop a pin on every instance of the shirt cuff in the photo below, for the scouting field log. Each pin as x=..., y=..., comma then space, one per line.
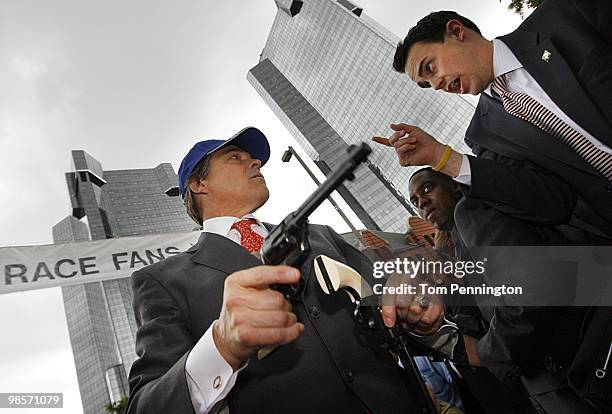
x=465, y=172
x=209, y=377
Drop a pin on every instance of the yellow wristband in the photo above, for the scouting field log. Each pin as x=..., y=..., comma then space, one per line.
x=447, y=153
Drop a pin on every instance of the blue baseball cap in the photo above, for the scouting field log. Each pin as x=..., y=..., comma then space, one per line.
x=250, y=139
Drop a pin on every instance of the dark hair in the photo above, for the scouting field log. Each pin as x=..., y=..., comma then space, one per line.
x=446, y=178
x=199, y=172
x=430, y=28
x=422, y=170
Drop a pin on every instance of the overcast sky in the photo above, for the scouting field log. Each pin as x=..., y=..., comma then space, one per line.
x=134, y=83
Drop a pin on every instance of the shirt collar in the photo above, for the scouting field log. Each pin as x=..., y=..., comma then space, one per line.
x=223, y=225
x=504, y=61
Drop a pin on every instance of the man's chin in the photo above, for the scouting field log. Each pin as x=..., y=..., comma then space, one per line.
x=264, y=197
x=479, y=87
x=446, y=226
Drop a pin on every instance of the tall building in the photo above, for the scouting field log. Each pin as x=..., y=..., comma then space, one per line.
x=101, y=324
x=326, y=73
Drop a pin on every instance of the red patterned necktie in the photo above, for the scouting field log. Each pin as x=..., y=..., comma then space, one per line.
x=248, y=238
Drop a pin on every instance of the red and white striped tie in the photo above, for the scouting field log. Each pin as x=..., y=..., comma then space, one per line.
x=525, y=107
x=248, y=238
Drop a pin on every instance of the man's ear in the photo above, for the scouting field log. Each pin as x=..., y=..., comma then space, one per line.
x=455, y=29
x=198, y=186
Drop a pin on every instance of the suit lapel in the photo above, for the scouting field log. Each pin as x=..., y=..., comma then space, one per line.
x=221, y=253
x=546, y=64
x=522, y=133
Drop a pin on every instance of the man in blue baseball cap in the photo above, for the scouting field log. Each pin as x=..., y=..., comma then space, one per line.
x=196, y=165
x=203, y=314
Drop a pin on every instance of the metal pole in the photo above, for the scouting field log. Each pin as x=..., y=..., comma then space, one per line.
x=286, y=158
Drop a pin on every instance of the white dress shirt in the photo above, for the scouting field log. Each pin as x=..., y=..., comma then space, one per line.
x=519, y=80
x=209, y=377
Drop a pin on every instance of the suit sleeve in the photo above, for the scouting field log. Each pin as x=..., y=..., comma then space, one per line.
x=157, y=380
x=520, y=322
x=520, y=189
x=514, y=327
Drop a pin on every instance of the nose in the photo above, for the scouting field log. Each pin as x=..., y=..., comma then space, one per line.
x=255, y=163
x=422, y=202
x=437, y=83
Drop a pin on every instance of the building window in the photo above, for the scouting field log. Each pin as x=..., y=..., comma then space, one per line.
x=351, y=7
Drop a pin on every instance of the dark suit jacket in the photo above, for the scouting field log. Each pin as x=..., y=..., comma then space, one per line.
x=525, y=173
x=330, y=368
x=520, y=169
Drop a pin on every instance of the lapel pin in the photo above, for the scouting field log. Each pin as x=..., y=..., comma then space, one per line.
x=546, y=56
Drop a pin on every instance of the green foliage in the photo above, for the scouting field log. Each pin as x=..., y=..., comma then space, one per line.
x=519, y=5
x=117, y=407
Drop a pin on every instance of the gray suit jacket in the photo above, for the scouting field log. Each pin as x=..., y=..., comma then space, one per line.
x=334, y=366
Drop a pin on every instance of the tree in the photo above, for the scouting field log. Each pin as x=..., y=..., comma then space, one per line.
x=118, y=407
x=519, y=5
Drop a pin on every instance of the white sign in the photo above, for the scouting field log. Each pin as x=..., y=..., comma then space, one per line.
x=39, y=267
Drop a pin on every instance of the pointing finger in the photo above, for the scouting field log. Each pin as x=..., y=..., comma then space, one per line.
x=383, y=141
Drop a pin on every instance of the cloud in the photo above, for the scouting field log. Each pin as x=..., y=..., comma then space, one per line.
x=37, y=110
x=37, y=356
x=27, y=69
